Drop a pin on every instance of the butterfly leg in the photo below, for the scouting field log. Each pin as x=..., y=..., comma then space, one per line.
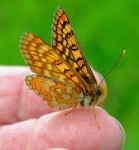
x=94, y=111
x=72, y=109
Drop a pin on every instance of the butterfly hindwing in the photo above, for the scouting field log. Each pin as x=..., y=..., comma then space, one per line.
x=56, y=94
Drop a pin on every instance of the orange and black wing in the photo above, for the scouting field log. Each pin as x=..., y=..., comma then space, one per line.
x=65, y=43
x=58, y=95
x=44, y=60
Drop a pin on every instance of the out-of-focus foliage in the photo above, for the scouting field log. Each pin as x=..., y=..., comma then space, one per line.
x=103, y=28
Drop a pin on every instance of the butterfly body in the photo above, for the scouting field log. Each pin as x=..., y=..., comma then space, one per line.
x=63, y=77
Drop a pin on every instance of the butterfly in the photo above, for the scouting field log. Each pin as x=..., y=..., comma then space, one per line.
x=63, y=76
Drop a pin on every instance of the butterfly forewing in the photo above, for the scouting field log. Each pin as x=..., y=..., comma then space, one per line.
x=44, y=60
x=65, y=43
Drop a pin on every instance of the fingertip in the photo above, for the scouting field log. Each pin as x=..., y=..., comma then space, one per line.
x=112, y=135
x=78, y=130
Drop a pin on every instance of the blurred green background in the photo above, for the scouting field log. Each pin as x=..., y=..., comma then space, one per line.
x=103, y=28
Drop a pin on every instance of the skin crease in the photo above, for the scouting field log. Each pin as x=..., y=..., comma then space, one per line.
x=26, y=123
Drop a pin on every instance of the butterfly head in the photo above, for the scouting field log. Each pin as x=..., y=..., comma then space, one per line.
x=97, y=92
x=100, y=92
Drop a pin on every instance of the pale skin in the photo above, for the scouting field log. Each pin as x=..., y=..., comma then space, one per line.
x=26, y=123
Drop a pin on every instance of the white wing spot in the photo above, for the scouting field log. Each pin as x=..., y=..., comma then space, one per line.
x=58, y=90
x=69, y=87
x=66, y=96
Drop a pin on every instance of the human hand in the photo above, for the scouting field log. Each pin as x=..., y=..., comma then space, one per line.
x=27, y=123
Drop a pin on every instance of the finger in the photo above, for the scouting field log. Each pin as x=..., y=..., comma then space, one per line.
x=78, y=130
x=17, y=102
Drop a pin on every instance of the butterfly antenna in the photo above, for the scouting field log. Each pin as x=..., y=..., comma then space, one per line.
x=118, y=60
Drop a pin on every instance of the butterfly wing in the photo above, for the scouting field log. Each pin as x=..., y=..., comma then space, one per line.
x=65, y=43
x=56, y=94
x=44, y=60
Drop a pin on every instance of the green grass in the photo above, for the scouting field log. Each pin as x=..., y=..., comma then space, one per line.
x=103, y=28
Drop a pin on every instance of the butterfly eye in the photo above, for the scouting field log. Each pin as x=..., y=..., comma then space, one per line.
x=97, y=92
